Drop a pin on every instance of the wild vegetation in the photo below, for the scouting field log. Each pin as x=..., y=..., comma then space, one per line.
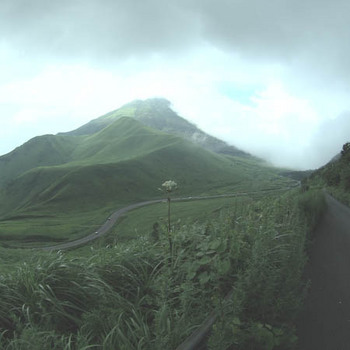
x=131, y=295
x=153, y=279
x=54, y=187
x=335, y=176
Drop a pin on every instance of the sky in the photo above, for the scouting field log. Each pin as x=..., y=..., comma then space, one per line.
x=270, y=77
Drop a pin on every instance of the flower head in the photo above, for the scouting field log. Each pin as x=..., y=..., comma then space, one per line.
x=169, y=186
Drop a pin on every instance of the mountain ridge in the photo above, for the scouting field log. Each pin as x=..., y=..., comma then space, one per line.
x=157, y=113
x=122, y=162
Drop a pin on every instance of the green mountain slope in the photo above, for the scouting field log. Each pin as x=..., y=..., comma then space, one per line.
x=44, y=150
x=87, y=184
x=120, y=162
x=335, y=175
x=157, y=114
x=99, y=141
x=88, y=187
x=123, y=139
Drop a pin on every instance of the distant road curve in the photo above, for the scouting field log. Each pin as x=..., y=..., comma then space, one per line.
x=110, y=222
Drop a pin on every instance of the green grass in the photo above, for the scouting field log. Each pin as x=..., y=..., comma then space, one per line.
x=10, y=259
x=33, y=231
x=139, y=221
x=101, y=176
x=44, y=228
x=334, y=176
x=68, y=202
x=133, y=295
x=59, y=181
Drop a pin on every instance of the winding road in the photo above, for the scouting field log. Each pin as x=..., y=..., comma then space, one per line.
x=324, y=323
x=109, y=223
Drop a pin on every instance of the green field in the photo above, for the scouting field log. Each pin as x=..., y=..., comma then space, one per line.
x=36, y=230
x=139, y=294
x=140, y=222
x=45, y=228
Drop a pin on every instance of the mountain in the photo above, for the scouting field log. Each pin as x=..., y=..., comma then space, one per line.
x=117, y=159
x=157, y=114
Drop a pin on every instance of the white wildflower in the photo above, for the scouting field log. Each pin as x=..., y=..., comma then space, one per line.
x=169, y=185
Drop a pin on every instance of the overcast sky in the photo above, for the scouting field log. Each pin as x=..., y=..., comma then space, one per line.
x=271, y=77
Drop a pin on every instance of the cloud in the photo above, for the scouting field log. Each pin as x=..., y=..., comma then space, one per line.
x=262, y=75
x=95, y=29
x=274, y=30
x=310, y=37
x=329, y=138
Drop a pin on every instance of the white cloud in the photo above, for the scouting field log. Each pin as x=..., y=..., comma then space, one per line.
x=27, y=116
x=262, y=76
x=225, y=96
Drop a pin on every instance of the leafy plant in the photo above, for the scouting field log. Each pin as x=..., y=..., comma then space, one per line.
x=127, y=296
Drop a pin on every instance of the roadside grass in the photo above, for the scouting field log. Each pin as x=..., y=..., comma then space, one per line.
x=269, y=291
x=36, y=230
x=45, y=225
x=133, y=295
x=340, y=194
x=140, y=221
x=313, y=205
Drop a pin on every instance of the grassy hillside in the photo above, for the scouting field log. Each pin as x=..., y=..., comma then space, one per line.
x=335, y=176
x=157, y=114
x=47, y=150
x=123, y=139
x=140, y=293
x=122, y=163
x=60, y=177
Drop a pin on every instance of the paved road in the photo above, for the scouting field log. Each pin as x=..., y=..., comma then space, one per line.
x=325, y=320
x=103, y=229
x=116, y=215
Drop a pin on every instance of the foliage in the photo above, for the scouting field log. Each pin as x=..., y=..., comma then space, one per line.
x=111, y=162
x=313, y=205
x=268, y=293
x=128, y=296
x=335, y=175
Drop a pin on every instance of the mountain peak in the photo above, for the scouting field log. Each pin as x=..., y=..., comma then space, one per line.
x=158, y=114
x=154, y=102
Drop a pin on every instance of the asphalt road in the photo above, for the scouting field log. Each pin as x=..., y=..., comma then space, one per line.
x=104, y=228
x=325, y=321
x=108, y=224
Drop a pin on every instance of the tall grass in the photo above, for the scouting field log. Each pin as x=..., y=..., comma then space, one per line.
x=269, y=291
x=133, y=296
